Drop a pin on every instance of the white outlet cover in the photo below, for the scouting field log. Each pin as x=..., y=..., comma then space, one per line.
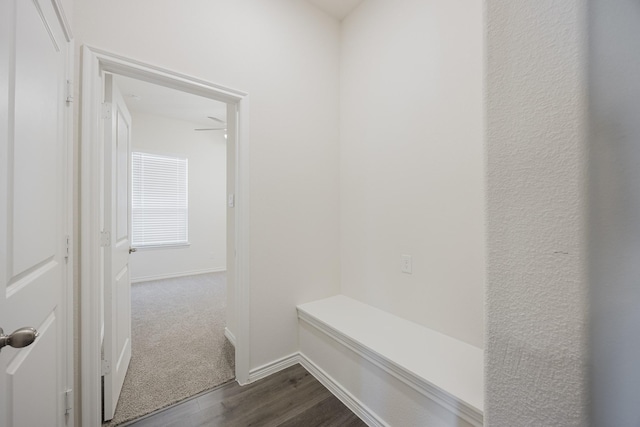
x=406, y=264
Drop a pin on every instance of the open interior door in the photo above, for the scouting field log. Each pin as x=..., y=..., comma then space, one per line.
x=34, y=214
x=117, y=241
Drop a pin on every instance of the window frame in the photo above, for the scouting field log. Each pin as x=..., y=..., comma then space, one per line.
x=168, y=244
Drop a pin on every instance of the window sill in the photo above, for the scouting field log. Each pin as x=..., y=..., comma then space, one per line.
x=157, y=247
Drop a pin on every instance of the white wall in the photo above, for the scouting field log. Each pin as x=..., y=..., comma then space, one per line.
x=285, y=54
x=207, y=157
x=412, y=161
x=536, y=354
x=614, y=94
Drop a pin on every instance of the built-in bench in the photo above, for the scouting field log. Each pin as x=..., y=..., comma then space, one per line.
x=441, y=368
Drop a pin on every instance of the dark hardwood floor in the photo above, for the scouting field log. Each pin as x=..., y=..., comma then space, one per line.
x=290, y=398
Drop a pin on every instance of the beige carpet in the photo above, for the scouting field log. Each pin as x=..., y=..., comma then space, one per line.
x=178, y=343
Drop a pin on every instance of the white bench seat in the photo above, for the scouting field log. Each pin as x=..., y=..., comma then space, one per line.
x=447, y=370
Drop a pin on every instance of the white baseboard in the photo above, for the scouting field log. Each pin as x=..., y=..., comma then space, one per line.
x=174, y=275
x=355, y=405
x=230, y=336
x=273, y=367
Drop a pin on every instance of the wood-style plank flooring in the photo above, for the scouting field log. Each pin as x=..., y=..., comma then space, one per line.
x=290, y=398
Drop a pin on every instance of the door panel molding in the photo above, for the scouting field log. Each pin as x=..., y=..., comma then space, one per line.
x=16, y=282
x=62, y=19
x=95, y=63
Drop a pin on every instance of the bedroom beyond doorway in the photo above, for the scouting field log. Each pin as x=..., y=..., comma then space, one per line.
x=179, y=346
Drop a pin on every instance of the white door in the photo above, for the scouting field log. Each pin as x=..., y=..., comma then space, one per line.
x=33, y=212
x=117, y=290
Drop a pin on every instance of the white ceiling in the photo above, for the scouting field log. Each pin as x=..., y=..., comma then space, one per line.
x=337, y=8
x=147, y=98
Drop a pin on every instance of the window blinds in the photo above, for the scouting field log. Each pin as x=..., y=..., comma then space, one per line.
x=159, y=205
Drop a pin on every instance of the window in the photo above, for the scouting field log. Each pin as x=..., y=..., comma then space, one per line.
x=159, y=205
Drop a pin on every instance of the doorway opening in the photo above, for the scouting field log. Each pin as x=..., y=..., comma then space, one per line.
x=174, y=227
x=98, y=67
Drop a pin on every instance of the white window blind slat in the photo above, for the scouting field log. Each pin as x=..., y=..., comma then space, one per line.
x=159, y=205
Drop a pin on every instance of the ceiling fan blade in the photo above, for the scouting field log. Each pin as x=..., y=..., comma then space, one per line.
x=215, y=119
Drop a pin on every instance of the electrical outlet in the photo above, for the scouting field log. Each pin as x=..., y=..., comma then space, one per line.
x=405, y=264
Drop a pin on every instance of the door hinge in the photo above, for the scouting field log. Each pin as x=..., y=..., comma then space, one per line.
x=106, y=110
x=68, y=401
x=105, y=368
x=69, y=91
x=66, y=250
x=105, y=239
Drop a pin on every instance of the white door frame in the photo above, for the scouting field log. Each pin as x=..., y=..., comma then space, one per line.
x=94, y=63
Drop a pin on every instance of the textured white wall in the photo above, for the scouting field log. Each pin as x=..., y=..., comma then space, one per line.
x=285, y=54
x=412, y=179
x=614, y=94
x=207, y=156
x=536, y=193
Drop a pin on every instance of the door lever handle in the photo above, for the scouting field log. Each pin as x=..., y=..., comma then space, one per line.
x=131, y=250
x=19, y=338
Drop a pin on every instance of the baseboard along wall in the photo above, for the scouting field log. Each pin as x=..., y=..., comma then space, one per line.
x=174, y=275
x=230, y=336
x=264, y=371
x=349, y=400
x=357, y=407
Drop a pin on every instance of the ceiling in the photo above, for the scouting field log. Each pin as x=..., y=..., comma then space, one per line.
x=148, y=98
x=337, y=8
